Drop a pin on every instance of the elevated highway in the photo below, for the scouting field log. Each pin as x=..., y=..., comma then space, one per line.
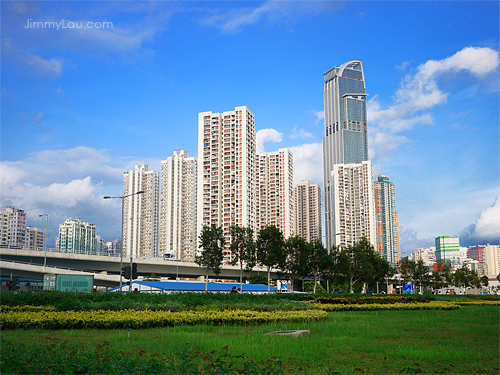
x=106, y=270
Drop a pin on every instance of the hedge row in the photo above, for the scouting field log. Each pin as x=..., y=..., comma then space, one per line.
x=102, y=319
x=433, y=305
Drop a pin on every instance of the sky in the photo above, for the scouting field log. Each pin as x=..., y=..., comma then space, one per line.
x=106, y=85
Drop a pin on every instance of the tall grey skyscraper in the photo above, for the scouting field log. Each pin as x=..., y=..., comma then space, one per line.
x=346, y=136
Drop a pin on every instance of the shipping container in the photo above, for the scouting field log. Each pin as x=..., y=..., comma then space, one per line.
x=68, y=283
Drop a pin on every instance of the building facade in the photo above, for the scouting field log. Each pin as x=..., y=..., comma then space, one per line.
x=447, y=247
x=178, y=237
x=77, y=237
x=140, y=212
x=13, y=228
x=387, y=219
x=488, y=256
x=307, y=217
x=275, y=205
x=428, y=255
x=226, y=171
x=34, y=239
x=346, y=132
x=353, y=209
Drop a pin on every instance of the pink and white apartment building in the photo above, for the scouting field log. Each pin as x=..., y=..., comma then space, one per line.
x=275, y=190
x=226, y=171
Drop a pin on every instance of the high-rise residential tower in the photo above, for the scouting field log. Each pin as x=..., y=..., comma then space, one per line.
x=346, y=136
x=387, y=219
x=275, y=190
x=13, y=228
x=226, y=170
x=307, y=204
x=76, y=236
x=178, y=206
x=140, y=212
x=447, y=247
x=353, y=209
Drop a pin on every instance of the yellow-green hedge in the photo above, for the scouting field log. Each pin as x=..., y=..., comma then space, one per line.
x=433, y=305
x=476, y=303
x=103, y=319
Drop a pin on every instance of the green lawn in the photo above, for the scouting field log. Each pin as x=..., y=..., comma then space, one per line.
x=462, y=341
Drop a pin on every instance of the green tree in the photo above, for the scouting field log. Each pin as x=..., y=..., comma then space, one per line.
x=212, y=242
x=441, y=277
x=319, y=261
x=382, y=268
x=270, y=252
x=242, y=249
x=361, y=265
x=421, y=274
x=297, y=252
x=484, y=281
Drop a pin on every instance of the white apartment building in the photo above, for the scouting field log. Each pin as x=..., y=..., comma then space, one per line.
x=307, y=217
x=275, y=190
x=13, y=228
x=140, y=212
x=427, y=254
x=353, y=208
x=178, y=237
x=33, y=239
x=226, y=170
x=76, y=236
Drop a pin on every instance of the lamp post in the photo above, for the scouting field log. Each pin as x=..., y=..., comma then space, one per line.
x=328, y=281
x=46, y=238
x=121, y=246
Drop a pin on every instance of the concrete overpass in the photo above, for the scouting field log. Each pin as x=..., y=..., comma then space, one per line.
x=106, y=270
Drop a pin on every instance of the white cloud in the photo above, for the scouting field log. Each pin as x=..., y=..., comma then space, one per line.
x=65, y=183
x=301, y=134
x=381, y=144
x=320, y=116
x=270, y=11
x=39, y=66
x=265, y=135
x=488, y=223
x=308, y=163
x=421, y=92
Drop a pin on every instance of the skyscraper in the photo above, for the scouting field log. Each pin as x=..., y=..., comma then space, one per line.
x=274, y=172
x=387, y=219
x=307, y=204
x=353, y=214
x=346, y=136
x=140, y=212
x=178, y=206
x=76, y=236
x=447, y=247
x=226, y=170
x=13, y=228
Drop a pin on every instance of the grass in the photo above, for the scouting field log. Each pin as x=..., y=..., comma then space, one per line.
x=463, y=341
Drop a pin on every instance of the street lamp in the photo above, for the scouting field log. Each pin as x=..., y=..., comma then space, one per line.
x=121, y=247
x=46, y=238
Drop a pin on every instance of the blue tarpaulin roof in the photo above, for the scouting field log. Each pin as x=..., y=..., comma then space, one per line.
x=183, y=286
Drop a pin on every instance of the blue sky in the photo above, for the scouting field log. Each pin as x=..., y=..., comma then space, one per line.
x=82, y=105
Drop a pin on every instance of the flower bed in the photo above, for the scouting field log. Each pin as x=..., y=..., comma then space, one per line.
x=103, y=319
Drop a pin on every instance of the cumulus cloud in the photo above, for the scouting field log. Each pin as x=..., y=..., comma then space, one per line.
x=488, y=223
x=320, y=116
x=486, y=229
x=65, y=183
x=308, y=163
x=420, y=92
x=267, y=135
